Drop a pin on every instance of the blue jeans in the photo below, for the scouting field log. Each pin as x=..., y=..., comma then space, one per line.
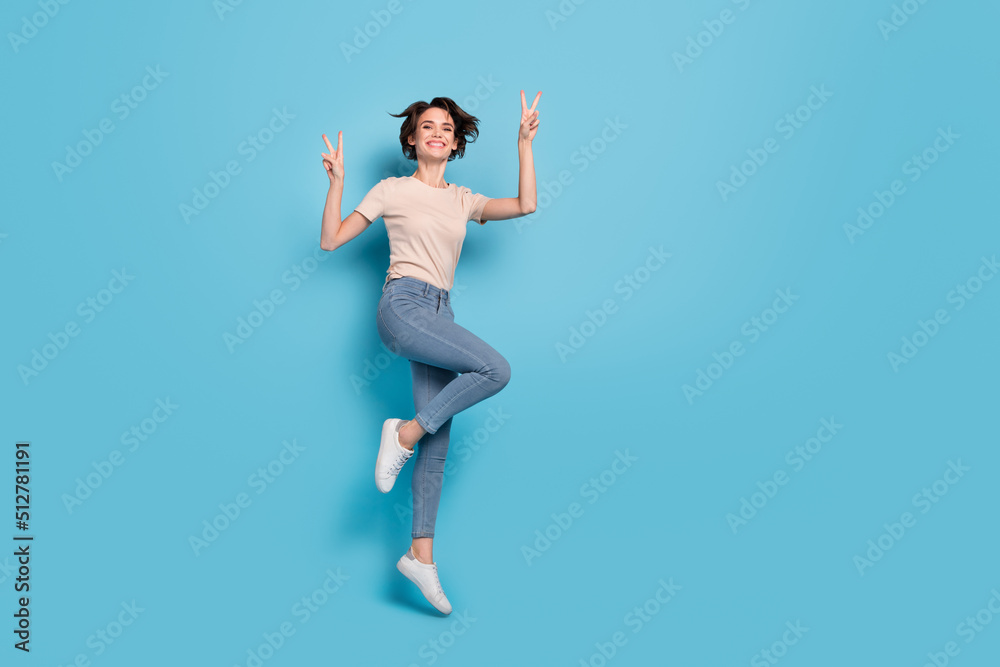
x=452, y=370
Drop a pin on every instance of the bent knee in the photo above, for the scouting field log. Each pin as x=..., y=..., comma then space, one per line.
x=500, y=372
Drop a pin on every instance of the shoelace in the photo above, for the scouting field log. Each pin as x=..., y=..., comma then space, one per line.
x=437, y=582
x=398, y=464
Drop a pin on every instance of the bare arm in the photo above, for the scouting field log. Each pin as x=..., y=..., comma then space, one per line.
x=506, y=208
x=336, y=232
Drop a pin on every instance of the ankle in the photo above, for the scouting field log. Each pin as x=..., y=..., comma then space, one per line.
x=405, y=438
x=421, y=556
x=404, y=442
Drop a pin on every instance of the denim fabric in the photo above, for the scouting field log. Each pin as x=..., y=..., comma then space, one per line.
x=452, y=369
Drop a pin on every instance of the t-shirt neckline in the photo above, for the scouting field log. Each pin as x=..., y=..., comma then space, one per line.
x=429, y=186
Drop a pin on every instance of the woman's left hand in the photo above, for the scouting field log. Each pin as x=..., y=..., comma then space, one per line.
x=529, y=118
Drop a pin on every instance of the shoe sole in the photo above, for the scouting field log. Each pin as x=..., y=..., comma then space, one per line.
x=384, y=449
x=403, y=567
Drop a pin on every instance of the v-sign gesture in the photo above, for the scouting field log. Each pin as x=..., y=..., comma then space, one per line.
x=529, y=118
x=334, y=160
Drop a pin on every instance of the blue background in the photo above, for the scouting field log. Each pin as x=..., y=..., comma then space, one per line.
x=523, y=285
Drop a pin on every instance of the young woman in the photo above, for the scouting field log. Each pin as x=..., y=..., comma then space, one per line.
x=452, y=368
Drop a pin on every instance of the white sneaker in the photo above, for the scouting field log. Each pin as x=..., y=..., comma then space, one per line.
x=392, y=456
x=425, y=576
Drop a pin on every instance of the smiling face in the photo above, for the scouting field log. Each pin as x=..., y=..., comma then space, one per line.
x=435, y=136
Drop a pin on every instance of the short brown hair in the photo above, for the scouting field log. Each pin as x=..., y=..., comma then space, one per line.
x=466, y=125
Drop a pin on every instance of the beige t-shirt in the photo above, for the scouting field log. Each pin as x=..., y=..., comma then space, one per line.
x=426, y=226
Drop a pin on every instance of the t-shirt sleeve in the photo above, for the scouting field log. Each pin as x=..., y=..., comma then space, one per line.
x=473, y=203
x=372, y=206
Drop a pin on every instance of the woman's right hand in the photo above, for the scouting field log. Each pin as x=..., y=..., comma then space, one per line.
x=334, y=160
